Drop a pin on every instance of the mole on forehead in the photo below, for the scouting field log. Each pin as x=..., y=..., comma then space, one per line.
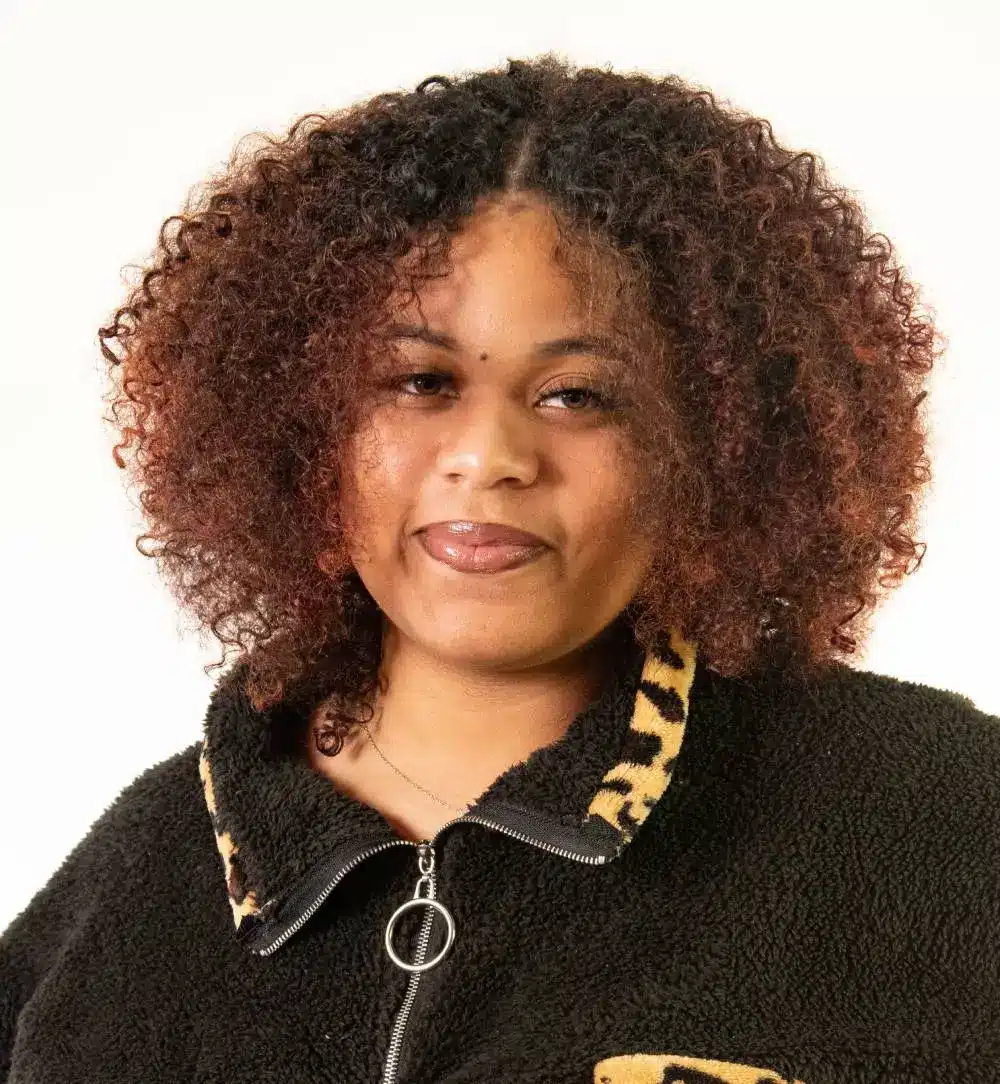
x=594, y=344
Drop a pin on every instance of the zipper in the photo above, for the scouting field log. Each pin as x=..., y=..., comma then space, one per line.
x=426, y=850
x=593, y=859
x=396, y=1038
x=313, y=907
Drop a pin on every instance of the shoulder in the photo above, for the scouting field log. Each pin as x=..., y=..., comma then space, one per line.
x=131, y=845
x=164, y=802
x=918, y=719
x=880, y=758
x=867, y=705
x=163, y=787
x=922, y=809
x=919, y=761
x=161, y=805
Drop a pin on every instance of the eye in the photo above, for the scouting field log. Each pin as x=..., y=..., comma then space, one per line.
x=593, y=398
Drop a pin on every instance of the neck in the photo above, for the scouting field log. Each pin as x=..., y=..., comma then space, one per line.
x=456, y=729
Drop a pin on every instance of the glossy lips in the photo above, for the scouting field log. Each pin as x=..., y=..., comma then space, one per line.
x=450, y=546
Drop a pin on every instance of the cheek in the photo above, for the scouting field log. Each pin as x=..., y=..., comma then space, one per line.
x=602, y=523
x=382, y=481
x=599, y=499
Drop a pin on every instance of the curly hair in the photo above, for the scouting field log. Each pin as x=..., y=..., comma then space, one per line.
x=771, y=396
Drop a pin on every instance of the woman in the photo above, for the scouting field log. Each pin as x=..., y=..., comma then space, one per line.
x=541, y=438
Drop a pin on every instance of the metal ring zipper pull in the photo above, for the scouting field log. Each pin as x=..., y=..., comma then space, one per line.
x=426, y=878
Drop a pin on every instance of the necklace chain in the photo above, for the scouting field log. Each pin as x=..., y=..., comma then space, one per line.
x=413, y=782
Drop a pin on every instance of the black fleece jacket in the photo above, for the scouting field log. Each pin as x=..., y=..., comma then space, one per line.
x=706, y=879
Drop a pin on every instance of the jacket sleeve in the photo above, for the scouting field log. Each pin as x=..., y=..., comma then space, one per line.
x=31, y=944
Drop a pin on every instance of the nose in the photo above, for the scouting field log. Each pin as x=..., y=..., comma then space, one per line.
x=488, y=444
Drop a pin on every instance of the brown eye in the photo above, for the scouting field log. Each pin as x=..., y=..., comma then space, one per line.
x=592, y=398
x=423, y=377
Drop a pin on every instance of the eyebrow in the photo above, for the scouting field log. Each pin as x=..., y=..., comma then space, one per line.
x=598, y=346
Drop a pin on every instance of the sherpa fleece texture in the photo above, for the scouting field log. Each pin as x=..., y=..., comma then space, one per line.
x=706, y=879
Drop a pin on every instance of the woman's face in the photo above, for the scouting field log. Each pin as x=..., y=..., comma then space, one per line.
x=491, y=441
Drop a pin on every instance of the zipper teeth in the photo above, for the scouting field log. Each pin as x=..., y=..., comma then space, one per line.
x=594, y=860
x=396, y=1041
x=399, y=1027
x=312, y=908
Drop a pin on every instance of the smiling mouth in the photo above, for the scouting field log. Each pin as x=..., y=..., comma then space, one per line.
x=495, y=557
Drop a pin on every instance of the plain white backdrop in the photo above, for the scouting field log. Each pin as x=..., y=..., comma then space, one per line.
x=112, y=111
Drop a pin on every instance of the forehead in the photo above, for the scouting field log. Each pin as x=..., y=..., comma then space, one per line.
x=502, y=253
x=505, y=285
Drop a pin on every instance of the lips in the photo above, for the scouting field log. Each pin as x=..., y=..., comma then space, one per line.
x=468, y=533
x=464, y=551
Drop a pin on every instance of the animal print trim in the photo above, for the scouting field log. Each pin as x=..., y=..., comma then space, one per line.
x=668, y=1068
x=629, y=790
x=243, y=903
x=623, y=799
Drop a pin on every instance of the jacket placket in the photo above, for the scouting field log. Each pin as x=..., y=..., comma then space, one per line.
x=318, y=885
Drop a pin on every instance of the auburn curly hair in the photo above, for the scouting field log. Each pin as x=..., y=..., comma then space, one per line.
x=772, y=404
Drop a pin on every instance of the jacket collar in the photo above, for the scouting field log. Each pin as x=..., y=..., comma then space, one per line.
x=286, y=834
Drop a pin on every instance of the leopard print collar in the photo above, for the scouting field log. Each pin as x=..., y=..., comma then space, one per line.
x=277, y=821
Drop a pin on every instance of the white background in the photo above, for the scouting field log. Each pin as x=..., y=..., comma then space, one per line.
x=111, y=111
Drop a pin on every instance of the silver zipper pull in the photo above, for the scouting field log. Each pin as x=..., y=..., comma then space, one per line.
x=425, y=859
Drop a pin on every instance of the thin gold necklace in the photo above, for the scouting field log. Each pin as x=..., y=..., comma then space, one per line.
x=413, y=782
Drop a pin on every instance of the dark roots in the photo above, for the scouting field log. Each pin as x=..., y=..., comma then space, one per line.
x=772, y=404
